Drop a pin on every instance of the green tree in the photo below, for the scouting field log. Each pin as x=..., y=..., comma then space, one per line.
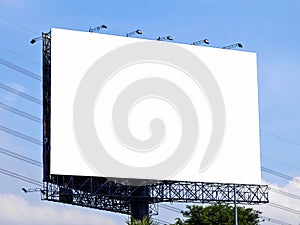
x=217, y=214
x=145, y=221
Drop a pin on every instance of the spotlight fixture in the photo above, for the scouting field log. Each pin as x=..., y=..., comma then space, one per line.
x=33, y=190
x=35, y=40
x=96, y=29
x=45, y=35
x=138, y=31
x=165, y=38
x=205, y=41
x=233, y=46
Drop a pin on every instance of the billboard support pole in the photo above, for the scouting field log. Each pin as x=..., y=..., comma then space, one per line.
x=140, y=204
x=235, y=207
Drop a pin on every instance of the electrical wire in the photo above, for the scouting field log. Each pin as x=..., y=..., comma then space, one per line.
x=20, y=26
x=20, y=157
x=273, y=220
x=20, y=69
x=160, y=221
x=279, y=137
x=21, y=177
x=19, y=55
x=280, y=162
x=284, y=208
x=20, y=135
x=20, y=113
x=172, y=208
x=284, y=193
x=284, y=176
x=20, y=93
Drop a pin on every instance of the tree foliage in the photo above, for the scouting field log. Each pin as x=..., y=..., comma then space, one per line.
x=217, y=214
x=145, y=221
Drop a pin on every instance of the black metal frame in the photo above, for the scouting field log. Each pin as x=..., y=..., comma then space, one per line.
x=121, y=197
x=159, y=191
x=118, y=195
x=46, y=103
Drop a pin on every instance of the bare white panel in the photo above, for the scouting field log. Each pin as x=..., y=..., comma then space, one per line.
x=135, y=108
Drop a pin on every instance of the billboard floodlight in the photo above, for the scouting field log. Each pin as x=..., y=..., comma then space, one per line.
x=138, y=31
x=35, y=40
x=48, y=35
x=96, y=29
x=205, y=41
x=233, y=46
x=25, y=190
x=165, y=38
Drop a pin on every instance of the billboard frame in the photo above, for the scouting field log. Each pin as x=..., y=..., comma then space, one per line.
x=119, y=195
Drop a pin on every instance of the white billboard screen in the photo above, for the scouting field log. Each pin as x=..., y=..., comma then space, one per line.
x=134, y=108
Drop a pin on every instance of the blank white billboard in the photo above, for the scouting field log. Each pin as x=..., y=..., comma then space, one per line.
x=134, y=108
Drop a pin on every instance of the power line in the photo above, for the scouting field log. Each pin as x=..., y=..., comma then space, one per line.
x=284, y=176
x=20, y=55
x=20, y=135
x=21, y=177
x=284, y=208
x=20, y=113
x=20, y=93
x=160, y=221
x=20, y=157
x=20, y=69
x=280, y=162
x=273, y=220
x=172, y=208
x=20, y=26
x=279, y=137
x=285, y=193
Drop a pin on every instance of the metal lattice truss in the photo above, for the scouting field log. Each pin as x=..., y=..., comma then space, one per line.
x=56, y=193
x=94, y=192
x=208, y=192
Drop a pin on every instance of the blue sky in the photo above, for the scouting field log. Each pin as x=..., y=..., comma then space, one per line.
x=269, y=27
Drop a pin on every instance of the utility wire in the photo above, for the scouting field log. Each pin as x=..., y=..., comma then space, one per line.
x=21, y=177
x=20, y=93
x=273, y=220
x=279, y=137
x=280, y=162
x=20, y=135
x=20, y=69
x=172, y=208
x=160, y=221
x=284, y=176
x=20, y=113
x=284, y=208
x=20, y=157
x=285, y=193
x=20, y=55
x=20, y=26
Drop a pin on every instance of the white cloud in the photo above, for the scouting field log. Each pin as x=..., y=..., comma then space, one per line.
x=283, y=200
x=15, y=210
